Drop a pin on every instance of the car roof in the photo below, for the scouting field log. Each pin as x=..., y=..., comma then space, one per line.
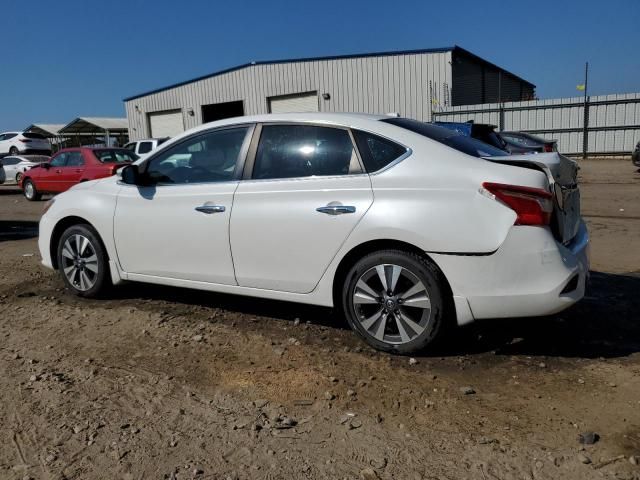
x=343, y=119
x=4, y=133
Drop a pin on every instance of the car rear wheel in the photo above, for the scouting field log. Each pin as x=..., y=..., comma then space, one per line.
x=18, y=177
x=13, y=151
x=30, y=191
x=394, y=301
x=82, y=261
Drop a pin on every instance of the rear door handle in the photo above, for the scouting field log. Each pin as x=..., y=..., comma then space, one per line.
x=336, y=209
x=209, y=209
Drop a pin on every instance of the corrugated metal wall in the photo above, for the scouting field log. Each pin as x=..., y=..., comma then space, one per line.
x=613, y=125
x=408, y=83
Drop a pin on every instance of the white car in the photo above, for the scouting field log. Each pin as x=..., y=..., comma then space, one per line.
x=16, y=143
x=12, y=168
x=143, y=147
x=399, y=224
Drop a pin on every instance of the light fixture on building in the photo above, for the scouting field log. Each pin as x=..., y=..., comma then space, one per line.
x=326, y=96
x=137, y=108
x=190, y=112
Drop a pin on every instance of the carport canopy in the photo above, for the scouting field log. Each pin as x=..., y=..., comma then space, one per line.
x=96, y=126
x=49, y=130
x=104, y=127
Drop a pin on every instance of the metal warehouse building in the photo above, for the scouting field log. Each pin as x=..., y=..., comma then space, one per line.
x=413, y=83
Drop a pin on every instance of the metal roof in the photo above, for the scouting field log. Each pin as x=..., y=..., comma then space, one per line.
x=96, y=125
x=46, y=129
x=334, y=57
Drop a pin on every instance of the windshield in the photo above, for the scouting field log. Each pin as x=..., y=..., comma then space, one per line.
x=115, y=156
x=450, y=138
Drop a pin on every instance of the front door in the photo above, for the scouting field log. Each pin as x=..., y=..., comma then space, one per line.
x=178, y=225
x=71, y=172
x=306, y=194
x=50, y=178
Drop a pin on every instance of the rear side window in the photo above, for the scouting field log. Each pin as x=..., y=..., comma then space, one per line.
x=290, y=151
x=450, y=138
x=7, y=136
x=36, y=136
x=10, y=161
x=377, y=152
x=145, y=147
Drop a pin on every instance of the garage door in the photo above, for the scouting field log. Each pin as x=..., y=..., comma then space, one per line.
x=166, y=124
x=300, y=102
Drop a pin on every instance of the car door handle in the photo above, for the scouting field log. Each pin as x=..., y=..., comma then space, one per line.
x=336, y=209
x=58, y=171
x=79, y=170
x=209, y=209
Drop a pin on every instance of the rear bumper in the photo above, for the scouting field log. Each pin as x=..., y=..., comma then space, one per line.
x=529, y=275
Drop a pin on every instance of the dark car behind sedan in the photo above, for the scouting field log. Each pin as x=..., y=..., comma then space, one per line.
x=635, y=156
x=520, y=142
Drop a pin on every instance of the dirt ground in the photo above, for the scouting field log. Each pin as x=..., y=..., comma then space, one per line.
x=169, y=383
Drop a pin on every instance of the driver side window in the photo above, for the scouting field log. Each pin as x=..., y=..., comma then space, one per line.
x=210, y=157
x=59, y=160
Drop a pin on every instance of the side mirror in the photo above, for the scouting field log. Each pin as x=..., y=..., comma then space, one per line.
x=130, y=175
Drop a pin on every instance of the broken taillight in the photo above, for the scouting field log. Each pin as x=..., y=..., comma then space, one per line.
x=533, y=206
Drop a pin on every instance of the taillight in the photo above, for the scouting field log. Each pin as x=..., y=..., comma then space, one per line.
x=548, y=147
x=24, y=140
x=533, y=206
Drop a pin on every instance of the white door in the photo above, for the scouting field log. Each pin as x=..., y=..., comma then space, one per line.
x=166, y=124
x=300, y=102
x=306, y=195
x=178, y=225
x=10, y=167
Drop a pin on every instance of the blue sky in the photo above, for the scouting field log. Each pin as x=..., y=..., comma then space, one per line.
x=81, y=58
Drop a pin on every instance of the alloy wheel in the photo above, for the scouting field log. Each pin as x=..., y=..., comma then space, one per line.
x=80, y=262
x=29, y=190
x=392, y=304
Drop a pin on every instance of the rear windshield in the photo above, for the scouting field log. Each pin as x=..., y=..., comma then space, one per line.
x=34, y=135
x=450, y=138
x=115, y=156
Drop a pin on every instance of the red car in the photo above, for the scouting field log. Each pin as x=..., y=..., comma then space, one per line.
x=71, y=166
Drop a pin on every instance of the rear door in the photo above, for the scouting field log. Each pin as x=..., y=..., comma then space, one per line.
x=306, y=192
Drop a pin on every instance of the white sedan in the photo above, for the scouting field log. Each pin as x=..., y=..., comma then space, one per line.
x=12, y=168
x=403, y=226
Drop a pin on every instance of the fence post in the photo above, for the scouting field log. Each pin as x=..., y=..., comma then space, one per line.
x=585, y=128
x=585, y=120
x=501, y=117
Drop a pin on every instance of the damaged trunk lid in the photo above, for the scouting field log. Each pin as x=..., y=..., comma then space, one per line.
x=562, y=173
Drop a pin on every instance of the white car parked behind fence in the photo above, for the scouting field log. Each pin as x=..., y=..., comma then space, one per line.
x=401, y=225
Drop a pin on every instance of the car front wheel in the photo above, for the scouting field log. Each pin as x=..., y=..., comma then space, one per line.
x=82, y=261
x=394, y=301
x=30, y=191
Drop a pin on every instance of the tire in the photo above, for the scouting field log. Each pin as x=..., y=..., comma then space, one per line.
x=13, y=151
x=18, y=177
x=30, y=191
x=411, y=322
x=83, y=261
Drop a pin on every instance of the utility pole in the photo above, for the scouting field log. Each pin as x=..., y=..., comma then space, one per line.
x=585, y=132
